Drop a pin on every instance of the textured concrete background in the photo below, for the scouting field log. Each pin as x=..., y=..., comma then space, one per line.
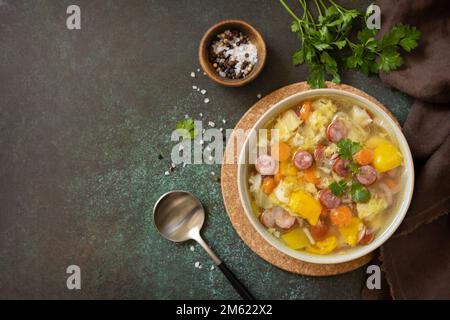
x=83, y=117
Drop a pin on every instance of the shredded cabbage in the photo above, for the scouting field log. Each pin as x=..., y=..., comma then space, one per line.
x=314, y=129
x=283, y=191
x=361, y=116
x=286, y=124
x=371, y=208
x=255, y=182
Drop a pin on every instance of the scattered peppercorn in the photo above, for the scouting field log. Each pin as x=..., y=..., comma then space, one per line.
x=232, y=54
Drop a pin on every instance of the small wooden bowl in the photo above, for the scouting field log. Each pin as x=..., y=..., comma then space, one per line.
x=254, y=36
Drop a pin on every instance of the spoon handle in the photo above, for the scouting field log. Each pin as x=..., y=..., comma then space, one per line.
x=237, y=285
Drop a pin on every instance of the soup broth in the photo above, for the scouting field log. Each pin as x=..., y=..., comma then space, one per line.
x=330, y=177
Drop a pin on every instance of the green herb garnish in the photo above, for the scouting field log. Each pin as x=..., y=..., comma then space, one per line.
x=338, y=188
x=353, y=167
x=187, y=126
x=371, y=56
x=359, y=193
x=325, y=37
x=347, y=148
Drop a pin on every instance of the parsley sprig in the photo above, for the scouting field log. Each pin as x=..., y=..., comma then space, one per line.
x=347, y=148
x=338, y=188
x=325, y=42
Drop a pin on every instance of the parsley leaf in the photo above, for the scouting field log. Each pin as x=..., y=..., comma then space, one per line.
x=390, y=59
x=325, y=39
x=359, y=193
x=316, y=78
x=347, y=148
x=187, y=128
x=298, y=57
x=353, y=167
x=338, y=188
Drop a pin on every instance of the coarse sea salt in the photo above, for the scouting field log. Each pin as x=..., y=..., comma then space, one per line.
x=233, y=53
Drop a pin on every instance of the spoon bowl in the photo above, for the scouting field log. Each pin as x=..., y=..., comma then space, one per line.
x=176, y=213
x=179, y=216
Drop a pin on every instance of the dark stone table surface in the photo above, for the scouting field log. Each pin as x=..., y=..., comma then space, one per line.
x=84, y=115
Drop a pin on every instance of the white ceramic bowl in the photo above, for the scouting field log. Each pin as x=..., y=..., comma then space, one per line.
x=393, y=220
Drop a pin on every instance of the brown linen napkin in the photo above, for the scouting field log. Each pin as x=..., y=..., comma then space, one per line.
x=416, y=260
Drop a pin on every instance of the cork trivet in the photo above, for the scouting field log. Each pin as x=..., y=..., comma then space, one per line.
x=236, y=212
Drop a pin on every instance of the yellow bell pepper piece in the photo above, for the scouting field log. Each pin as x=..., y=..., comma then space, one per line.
x=306, y=206
x=386, y=156
x=323, y=247
x=288, y=169
x=296, y=239
x=350, y=232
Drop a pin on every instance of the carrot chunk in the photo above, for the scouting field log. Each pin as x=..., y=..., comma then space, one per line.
x=391, y=183
x=310, y=176
x=341, y=216
x=364, y=157
x=268, y=185
x=306, y=110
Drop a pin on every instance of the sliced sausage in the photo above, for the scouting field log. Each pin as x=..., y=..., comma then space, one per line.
x=285, y=220
x=340, y=167
x=336, y=131
x=319, y=153
x=365, y=236
x=319, y=231
x=366, y=175
x=266, y=165
x=328, y=199
x=268, y=217
x=303, y=160
x=277, y=217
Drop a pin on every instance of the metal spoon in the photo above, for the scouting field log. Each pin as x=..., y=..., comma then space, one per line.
x=179, y=216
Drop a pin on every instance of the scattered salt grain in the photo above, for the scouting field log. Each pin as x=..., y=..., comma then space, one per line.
x=167, y=173
x=202, y=142
x=204, y=73
x=203, y=130
x=192, y=74
x=198, y=89
x=203, y=91
x=221, y=129
x=198, y=69
x=186, y=116
x=224, y=121
x=197, y=264
x=211, y=124
x=194, y=87
x=184, y=164
x=210, y=158
x=206, y=100
x=201, y=115
x=212, y=268
x=192, y=248
x=213, y=173
x=181, y=147
x=259, y=95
